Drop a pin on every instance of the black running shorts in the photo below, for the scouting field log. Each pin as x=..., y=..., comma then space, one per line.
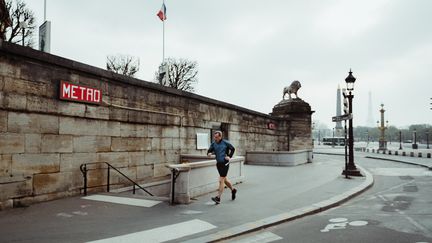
x=222, y=169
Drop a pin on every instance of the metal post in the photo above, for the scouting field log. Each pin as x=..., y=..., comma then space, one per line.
x=108, y=179
x=85, y=180
x=319, y=137
x=346, y=155
x=351, y=168
x=427, y=139
x=400, y=140
x=333, y=142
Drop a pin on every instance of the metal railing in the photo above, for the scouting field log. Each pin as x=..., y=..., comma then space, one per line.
x=84, y=169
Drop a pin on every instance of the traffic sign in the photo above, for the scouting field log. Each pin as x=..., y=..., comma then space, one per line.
x=342, y=118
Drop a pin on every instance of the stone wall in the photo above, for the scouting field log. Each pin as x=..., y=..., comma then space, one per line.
x=140, y=127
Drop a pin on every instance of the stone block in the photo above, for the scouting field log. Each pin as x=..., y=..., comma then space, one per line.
x=5, y=165
x=41, y=104
x=72, y=162
x=71, y=109
x=108, y=128
x=176, y=143
x=131, y=144
x=33, y=143
x=144, y=171
x=3, y=121
x=15, y=187
x=97, y=112
x=10, y=69
x=57, y=144
x=154, y=131
x=155, y=157
x=91, y=144
x=78, y=126
x=161, y=170
x=53, y=182
x=32, y=123
x=118, y=114
x=116, y=178
x=11, y=143
x=29, y=164
x=15, y=101
x=166, y=143
x=116, y=159
x=133, y=130
x=136, y=158
x=20, y=86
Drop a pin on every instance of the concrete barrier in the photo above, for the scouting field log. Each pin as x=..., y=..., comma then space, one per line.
x=279, y=158
x=201, y=176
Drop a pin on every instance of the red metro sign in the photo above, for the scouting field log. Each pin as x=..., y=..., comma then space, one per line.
x=79, y=93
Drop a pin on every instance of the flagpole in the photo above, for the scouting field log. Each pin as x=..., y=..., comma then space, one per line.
x=163, y=36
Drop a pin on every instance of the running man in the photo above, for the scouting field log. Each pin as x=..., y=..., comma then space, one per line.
x=224, y=152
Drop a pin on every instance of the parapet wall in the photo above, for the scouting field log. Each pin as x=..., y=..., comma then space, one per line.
x=139, y=127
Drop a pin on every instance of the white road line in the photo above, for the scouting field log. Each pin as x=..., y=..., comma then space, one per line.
x=123, y=200
x=259, y=238
x=164, y=233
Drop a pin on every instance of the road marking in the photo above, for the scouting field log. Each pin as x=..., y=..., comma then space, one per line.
x=123, y=200
x=164, y=233
x=66, y=215
x=341, y=223
x=262, y=237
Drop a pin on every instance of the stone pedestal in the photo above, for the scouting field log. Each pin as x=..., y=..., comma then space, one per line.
x=298, y=116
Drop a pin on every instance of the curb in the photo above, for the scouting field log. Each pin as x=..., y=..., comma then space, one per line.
x=400, y=161
x=291, y=215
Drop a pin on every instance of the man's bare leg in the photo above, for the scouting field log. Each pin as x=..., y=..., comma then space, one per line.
x=221, y=186
x=228, y=184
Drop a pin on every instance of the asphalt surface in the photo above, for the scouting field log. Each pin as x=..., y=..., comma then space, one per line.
x=396, y=209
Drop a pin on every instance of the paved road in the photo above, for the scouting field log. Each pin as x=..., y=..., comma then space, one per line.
x=396, y=209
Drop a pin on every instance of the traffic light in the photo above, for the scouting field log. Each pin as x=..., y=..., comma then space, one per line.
x=345, y=103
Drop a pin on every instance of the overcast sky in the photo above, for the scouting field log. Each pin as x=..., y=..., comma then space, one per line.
x=247, y=51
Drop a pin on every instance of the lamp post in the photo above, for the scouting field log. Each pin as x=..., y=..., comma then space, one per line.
x=23, y=26
x=382, y=141
x=415, y=146
x=400, y=139
x=333, y=141
x=427, y=139
x=351, y=168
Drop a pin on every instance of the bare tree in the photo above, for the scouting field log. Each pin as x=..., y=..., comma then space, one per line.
x=123, y=64
x=17, y=22
x=178, y=73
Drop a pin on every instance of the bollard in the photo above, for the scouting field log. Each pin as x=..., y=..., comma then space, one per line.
x=403, y=153
x=419, y=154
x=389, y=152
x=373, y=150
x=411, y=154
x=428, y=155
x=367, y=150
x=396, y=153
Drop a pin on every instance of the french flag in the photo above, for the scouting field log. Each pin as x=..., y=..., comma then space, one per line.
x=162, y=13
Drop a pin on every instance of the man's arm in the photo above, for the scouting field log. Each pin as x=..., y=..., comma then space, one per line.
x=230, y=150
x=210, y=150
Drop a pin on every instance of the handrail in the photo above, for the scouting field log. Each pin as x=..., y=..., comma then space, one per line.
x=83, y=168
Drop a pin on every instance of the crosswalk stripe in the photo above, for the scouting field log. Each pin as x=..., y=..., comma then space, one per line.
x=164, y=233
x=123, y=200
x=259, y=238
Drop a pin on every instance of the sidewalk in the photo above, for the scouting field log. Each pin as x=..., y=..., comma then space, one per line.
x=420, y=161
x=269, y=195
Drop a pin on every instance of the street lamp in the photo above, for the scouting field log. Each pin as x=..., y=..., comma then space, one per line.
x=415, y=146
x=319, y=137
x=427, y=139
x=400, y=139
x=23, y=26
x=350, y=167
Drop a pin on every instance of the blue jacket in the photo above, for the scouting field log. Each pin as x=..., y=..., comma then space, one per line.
x=221, y=149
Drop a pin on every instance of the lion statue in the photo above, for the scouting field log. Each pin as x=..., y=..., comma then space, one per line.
x=292, y=89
